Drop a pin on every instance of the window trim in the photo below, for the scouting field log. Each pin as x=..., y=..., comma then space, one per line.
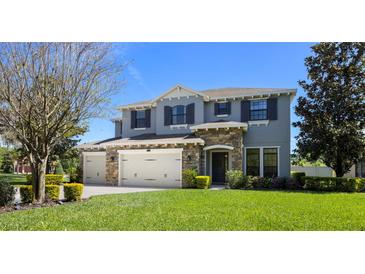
x=172, y=115
x=257, y=110
x=136, y=119
x=219, y=114
x=261, y=158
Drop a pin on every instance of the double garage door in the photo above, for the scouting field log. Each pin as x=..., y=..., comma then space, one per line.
x=155, y=168
x=150, y=168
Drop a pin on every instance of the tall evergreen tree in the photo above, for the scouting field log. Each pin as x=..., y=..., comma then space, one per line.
x=333, y=112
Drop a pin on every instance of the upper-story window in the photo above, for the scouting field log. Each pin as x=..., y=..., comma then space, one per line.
x=258, y=110
x=178, y=115
x=140, y=119
x=222, y=108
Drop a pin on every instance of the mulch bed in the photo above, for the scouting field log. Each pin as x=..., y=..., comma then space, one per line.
x=26, y=206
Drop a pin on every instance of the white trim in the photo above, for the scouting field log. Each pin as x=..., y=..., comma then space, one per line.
x=261, y=159
x=218, y=147
x=211, y=160
x=254, y=96
x=155, y=151
x=97, y=153
x=258, y=122
x=139, y=128
x=258, y=98
x=222, y=115
x=144, y=151
x=178, y=126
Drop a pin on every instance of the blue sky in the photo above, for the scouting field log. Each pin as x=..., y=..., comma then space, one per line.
x=155, y=67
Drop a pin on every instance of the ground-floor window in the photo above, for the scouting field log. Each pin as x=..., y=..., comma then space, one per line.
x=262, y=161
x=253, y=161
x=270, y=162
x=360, y=169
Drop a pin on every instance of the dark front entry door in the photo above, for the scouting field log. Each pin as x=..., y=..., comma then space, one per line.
x=219, y=166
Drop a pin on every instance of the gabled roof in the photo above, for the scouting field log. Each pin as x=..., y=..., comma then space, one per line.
x=212, y=94
x=144, y=140
x=245, y=92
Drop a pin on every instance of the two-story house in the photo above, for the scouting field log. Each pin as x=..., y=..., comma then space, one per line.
x=211, y=131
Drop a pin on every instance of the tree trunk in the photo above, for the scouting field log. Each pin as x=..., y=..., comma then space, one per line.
x=39, y=180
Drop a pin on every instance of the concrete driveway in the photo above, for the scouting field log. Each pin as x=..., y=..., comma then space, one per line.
x=103, y=190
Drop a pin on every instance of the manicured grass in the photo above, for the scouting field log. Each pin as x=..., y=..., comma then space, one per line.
x=14, y=179
x=199, y=210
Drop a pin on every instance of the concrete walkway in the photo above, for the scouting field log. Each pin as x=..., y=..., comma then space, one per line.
x=103, y=190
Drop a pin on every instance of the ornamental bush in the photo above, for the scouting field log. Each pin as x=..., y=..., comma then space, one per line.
x=203, y=182
x=297, y=177
x=51, y=179
x=7, y=193
x=26, y=193
x=73, y=191
x=188, y=177
x=234, y=179
x=53, y=192
x=333, y=184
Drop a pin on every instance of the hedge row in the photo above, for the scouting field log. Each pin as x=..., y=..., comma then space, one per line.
x=298, y=181
x=334, y=184
x=51, y=179
x=192, y=180
x=236, y=180
x=72, y=192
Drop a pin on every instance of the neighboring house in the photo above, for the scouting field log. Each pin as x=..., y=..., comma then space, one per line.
x=212, y=131
x=22, y=166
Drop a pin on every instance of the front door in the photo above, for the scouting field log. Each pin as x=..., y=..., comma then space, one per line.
x=219, y=167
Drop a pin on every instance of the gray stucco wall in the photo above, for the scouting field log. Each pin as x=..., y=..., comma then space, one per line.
x=276, y=133
x=117, y=128
x=199, y=114
x=130, y=132
x=234, y=116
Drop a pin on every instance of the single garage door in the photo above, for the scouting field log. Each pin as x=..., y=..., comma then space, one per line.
x=94, y=168
x=153, y=168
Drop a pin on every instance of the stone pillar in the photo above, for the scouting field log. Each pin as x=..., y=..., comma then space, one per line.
x=112, y=166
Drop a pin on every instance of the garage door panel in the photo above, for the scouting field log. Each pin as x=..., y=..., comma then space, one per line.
x=151, y=169
x=94, y=169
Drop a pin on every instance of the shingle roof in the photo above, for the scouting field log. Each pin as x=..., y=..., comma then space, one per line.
x=232, y=92
x=145, y=139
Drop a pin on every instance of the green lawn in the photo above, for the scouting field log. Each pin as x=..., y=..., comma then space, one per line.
x=14, y=179
x=199, y=210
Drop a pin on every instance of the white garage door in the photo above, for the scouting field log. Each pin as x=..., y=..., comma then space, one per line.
x=154, y=168
x=94, y=168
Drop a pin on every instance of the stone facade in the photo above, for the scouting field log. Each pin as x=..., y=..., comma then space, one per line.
x=229, y=137
x=193, y=156
x=190, y=158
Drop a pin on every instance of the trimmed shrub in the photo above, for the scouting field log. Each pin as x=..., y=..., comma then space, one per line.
x=247, y=182
x=279, y=182
x=261, y=182
x=73, y=191
x=297, y=177
x=75, y=178
x=203, y=182
x=234, y=179
x=188, y=177
x=26, y=193
x=362, y=185
x=333, y=184
x=51, y=179
x=53, y=192
x=7, y=193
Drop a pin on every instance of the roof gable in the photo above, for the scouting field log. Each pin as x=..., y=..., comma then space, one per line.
x=178, y=92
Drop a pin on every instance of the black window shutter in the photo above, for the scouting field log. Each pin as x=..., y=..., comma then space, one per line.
x=245, y=111
x=229, y=108
x=148, y=117
x=216, y=109
x=133, y=119
x=272, y=108
x=190, y=113
x=167, y=115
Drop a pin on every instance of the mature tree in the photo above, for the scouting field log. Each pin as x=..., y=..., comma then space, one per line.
x=333, y=112
x=48, y=90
